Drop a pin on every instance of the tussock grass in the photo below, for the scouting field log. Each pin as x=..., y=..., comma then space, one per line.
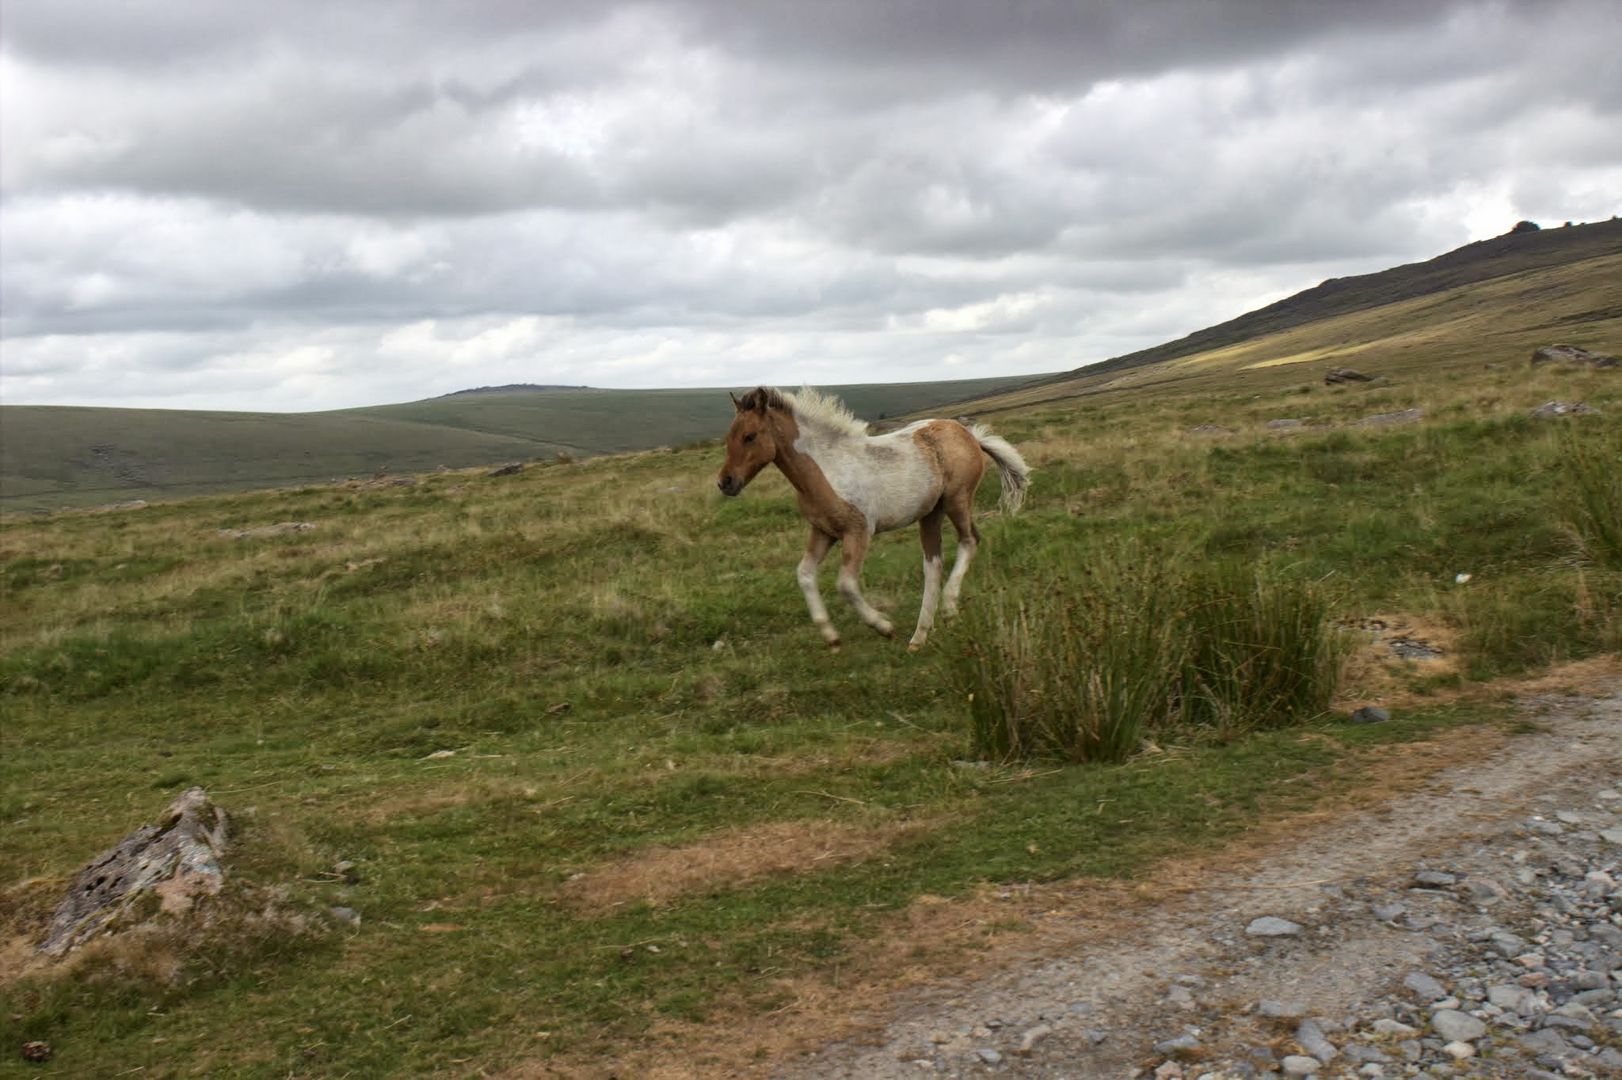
x=1145, y=645
x=1591, y=496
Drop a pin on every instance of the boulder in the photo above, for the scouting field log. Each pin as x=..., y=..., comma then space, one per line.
x=1341, y=375
x=259, y=532
x=1551, y=410
x=1572, y=355
x=1404, y=416
x=173, y=862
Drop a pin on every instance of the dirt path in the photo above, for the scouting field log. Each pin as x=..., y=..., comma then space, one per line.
x=1109, y=987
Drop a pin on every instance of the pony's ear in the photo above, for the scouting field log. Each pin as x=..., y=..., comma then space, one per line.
x=736, y=404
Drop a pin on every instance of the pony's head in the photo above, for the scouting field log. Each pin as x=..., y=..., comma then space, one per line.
x=751, y=441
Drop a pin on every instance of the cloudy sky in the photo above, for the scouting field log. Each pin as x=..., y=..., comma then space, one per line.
x=306, y=205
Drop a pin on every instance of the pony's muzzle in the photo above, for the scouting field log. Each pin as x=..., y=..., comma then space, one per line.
x=729, y=484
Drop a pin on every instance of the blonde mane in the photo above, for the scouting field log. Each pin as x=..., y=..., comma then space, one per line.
x=814, y=408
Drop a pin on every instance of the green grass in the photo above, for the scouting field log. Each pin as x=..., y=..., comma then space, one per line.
x=621, y=662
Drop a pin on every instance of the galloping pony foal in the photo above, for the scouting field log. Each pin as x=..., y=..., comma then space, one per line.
x=851, y=485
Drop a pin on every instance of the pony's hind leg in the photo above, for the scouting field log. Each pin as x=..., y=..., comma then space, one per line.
x=816, y=549
x=961, y=511
x=850, y=581
x=929, y=535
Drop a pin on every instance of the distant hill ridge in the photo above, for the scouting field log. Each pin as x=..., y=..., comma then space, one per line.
x=1512, y=253
x=513, y=388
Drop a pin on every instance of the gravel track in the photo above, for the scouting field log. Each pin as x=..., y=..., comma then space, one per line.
x=1469, y=929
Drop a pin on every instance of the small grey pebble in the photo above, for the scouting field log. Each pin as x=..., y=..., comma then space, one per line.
x=1272, y=926
x=1424, y=985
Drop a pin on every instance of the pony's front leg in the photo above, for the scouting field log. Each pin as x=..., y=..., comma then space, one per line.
x=850, y=581
x=816, y=549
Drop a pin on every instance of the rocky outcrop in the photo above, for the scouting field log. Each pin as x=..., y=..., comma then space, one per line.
x=1552, y=410
x=1572, y=356
x=163, y=867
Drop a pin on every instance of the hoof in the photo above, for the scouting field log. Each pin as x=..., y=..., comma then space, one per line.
x=833, y=645
x=914, y=646
x=884, y=630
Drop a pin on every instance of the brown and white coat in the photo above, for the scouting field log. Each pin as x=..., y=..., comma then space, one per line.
x=851, y=485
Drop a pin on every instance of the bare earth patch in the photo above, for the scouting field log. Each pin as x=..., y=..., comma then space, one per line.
x=731, y=859
x=1381, y=667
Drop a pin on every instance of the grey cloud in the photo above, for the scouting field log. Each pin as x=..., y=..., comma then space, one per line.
x=204, y=189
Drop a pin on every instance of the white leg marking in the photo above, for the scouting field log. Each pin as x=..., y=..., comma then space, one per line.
x=807, y=573
x=932, y=593
x=852, y=592
x=954, y=584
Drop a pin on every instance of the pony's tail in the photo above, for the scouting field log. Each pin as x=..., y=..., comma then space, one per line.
x=1016, y=475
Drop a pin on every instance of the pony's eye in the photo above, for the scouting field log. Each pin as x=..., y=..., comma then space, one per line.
x=749, y=437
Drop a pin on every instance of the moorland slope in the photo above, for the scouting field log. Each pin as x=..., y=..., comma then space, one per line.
x=1482, y=306
x=55, y=456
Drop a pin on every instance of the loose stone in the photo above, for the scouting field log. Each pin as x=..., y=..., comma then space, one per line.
x=1312, y=1040
x=1455, y=1026
x=1272, y=926
x=1425, y=986
x=1028, y=1041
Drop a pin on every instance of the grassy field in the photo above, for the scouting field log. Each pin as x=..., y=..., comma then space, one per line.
x=604, y=791
x=53, y=457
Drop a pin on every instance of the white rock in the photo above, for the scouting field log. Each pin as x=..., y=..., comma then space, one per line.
x=1272, y=926
x=1028, y=1041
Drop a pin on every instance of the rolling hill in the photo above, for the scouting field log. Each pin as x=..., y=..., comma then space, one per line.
x=63, y=456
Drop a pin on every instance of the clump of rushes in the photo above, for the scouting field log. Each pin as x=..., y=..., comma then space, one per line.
x=1087, y=668
x=1590, y=499
x=1261, y=650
